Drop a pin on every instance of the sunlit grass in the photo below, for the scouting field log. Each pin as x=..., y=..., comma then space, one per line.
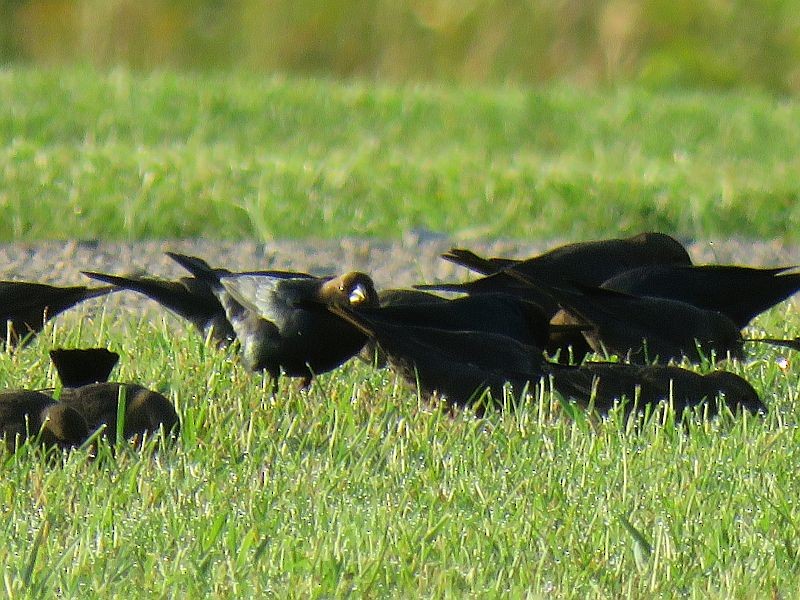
x=356, y=487
x=130, y=156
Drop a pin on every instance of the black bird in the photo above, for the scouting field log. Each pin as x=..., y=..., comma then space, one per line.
x=25, y=413
x=27, y=306
x=738, y=292
x=404, y=297
x=589, y=263
x=619, y=323
x=604, y=385
x=280, y=318
x=566, y=342
x=82, y=366
x=191, y=298
x=370, y=353
x=645, y=328
x=146, y=411
x=84, y=374
x=582, y=263
x=502, y=314
x=458, y=365
x=642, y=328
x=499, y=283
x=461, y=365
x=188, y=297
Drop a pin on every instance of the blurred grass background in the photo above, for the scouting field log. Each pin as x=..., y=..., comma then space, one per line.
x=129, y=155
x=658, y=43
x=481, y=118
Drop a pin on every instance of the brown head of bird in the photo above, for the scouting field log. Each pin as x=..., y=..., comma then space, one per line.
x=62, y=427
x=147, y=412
x=350, y=289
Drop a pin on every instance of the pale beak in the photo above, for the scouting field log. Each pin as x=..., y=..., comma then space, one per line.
x=358, y=295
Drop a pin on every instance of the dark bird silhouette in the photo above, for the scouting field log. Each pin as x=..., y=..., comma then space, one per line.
x=281, y=319
x=641, y=328
x=583, y=263
x=84, y=374
x=82, y=366
x=499, y=283
x=370, y=353
x=604, y=385
x=618, y=322
x=404, y=297
x=25, y=414
x=457, y=365
x=145, y=410
x=188, y=297
x=738, y=292
x=566, y=341
x=501, y=314
x=28, y=306
x=589, y=263
x=645, y=328
x=462, y=365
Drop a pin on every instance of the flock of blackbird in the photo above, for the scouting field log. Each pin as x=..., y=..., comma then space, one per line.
x=558, y=316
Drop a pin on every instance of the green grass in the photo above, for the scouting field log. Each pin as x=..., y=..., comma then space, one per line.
x=128, y=156
x=355, y=487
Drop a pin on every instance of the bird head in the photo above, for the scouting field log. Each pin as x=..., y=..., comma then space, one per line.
x=352, y=289
x=738, y=392
x=147, y=412
x=63, y=426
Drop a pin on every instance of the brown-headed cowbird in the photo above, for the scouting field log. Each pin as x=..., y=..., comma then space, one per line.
x=566, y=341
x=27, y=306
x=641, y=328
x=740, y=293
x=582, y=263
x=281, y=320
x=644, y=328
x=589, y=263
x=404, y=297
x=503, y=314
x=188, y=297
x=145, y=410
x=458, y=365
x=82, y=366
x=370, y=353
x=499, y=283
x=604, y=385
x=25, y=413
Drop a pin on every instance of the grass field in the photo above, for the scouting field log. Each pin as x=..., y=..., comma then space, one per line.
x=121, y=155
x=355, y=487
